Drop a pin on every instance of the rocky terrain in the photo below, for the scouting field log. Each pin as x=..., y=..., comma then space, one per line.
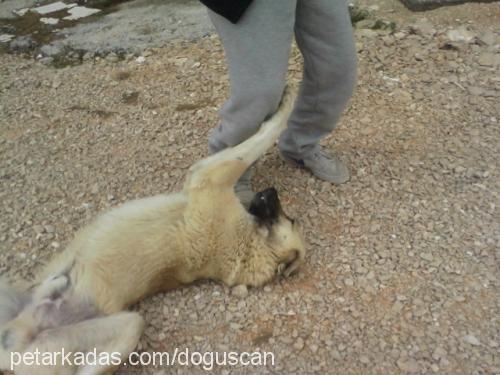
x=402, y=274
x=50, y=32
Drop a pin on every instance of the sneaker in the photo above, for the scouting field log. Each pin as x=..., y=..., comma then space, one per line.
x=324, y=166
x=243, y=188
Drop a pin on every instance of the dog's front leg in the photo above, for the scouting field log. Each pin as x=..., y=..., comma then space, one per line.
x=226, y=167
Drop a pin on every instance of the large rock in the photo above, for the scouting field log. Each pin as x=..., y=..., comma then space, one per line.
x=23, y=44
x=7, y=7
x=52, y=50
x=419, y=5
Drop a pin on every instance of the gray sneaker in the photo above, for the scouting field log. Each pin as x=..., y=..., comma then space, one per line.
x=321, y=164
x=243, y=188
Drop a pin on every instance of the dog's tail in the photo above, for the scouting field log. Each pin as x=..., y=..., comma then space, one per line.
x=280, y=117
x=251, y=149
x=11, y=302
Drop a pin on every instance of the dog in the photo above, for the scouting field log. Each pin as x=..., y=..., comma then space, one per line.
x=79, y=300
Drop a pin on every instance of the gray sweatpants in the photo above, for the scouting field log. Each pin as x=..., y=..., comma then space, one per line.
x=257, y=50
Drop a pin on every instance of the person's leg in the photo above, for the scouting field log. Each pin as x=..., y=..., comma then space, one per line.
x=257, y=50
x=325, y=37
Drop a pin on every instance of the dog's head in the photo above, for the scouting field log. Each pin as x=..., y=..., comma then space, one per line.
x=283, y=233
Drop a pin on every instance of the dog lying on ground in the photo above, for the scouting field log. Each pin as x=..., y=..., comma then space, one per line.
x=148, y=246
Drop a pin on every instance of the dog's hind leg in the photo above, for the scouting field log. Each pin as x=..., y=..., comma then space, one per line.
x=225, y=167
x=11, y=302
x=112, y=337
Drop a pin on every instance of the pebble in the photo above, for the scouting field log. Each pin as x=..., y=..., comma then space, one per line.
x=5, y=38
x=46, y=60
x=39, y=229
x=471, y=339
x=51, y=50
x=112, y=57
x=88, y=56
x=408, y=365
x=460, y=34
x=488, y=59
x=439, y=353
x=23, y=44
x=423, y=27
x=348, y=282
x=234, y=326
x=364, y=359
x=299, y=344
x=397, y=307
x=427, y=256
x=314, y=348
x=49, y=20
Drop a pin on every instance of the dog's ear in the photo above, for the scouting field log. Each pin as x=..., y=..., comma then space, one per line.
x=265, y=206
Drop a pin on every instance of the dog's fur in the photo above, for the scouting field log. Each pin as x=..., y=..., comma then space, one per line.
x=148, y=246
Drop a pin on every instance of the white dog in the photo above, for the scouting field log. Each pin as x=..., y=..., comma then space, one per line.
x=149, y=246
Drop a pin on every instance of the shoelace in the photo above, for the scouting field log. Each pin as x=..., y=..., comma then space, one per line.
x=320, y=153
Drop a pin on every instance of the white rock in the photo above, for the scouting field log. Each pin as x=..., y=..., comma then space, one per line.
x=488, y=59
x=5, y=38
x=51, y=8
x=489, y=38
x=240, y=291
x=408, y=366
x=299, y=344
x=427, y=256
x=80, y=12
x=423, y=27
x=460, y=35
x=49, y=21
x=348, y=282
x=21, y=12
x=472, y=340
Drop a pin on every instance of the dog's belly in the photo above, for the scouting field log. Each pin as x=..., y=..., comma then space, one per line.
x=125, y=253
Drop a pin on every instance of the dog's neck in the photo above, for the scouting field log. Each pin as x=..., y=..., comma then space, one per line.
x=258, y=264
x=246, y=259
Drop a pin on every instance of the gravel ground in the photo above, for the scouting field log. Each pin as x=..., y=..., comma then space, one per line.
x=402, y=271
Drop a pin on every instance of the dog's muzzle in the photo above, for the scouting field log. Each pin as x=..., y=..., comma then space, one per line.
x=288, y=268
